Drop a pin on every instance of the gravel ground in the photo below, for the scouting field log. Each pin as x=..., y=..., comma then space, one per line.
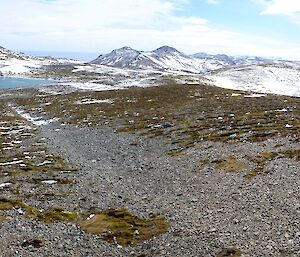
x=208, y=210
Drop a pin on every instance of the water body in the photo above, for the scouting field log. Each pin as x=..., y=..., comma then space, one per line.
x=14, y=82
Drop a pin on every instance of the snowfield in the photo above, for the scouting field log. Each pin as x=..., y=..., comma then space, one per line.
x=281, y=79
x=15, y=66
x=13, y=63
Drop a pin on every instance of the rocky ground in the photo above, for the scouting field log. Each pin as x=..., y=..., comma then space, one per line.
x=193, y=171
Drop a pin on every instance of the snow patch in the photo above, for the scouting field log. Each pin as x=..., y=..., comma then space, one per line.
x=92, y=86
x=38, y=121
x=3, y=185
x=94, y=101
x=11, y=163
x=49, y=182
x=254, y=96
x=43, y=163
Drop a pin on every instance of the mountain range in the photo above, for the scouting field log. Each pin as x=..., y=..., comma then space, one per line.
x=126, y=67
x=164, y=58
x=169, y=58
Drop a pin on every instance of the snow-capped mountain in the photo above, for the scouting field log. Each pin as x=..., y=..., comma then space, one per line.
x=126, y=57
x=123, y=57
x=222, y=59
x=163, y=58
x=127, y=67
x=227, y=60
x=168, y=58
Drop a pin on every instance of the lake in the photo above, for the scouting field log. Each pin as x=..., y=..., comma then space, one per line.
x=15, y=82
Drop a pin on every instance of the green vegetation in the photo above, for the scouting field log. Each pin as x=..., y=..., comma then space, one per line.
x=2, y=218
x=202, y=165
x=40, y=215
x=124, y=227
x=262, y=159
x=120, y=225
x=231, y=164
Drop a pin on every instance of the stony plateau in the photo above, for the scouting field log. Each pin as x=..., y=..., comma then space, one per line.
x=156, y=161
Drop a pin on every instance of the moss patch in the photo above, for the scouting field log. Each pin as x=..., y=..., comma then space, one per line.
x=40, y=215
x=2, y=218
x=120, y=224
x=262, y=159
x=202, y=165
x=231, y=164
x=126, y=228
x=6, y=204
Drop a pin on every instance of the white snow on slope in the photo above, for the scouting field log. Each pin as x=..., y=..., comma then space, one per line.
x=180, y=62
x=38, y=121
x=276, y=79
x=13, y=63
x=176, y=62
x=112, y=78
x=90, y=86
x=94, y=101
x=11, y=163
x=25, y=67
x=17, y=66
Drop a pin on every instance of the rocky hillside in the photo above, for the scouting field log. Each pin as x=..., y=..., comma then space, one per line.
x=15, y=63
x=8, y=54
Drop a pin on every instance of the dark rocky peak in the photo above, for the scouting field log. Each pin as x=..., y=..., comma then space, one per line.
x=166, y=50
x=125, y=49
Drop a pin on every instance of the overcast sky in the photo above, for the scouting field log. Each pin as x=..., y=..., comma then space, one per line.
x=238, y=27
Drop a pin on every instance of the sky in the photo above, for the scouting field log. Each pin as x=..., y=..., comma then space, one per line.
x=235, y=27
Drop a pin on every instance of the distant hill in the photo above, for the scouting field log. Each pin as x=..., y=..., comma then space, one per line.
x=15, y=63
x=8, y=54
